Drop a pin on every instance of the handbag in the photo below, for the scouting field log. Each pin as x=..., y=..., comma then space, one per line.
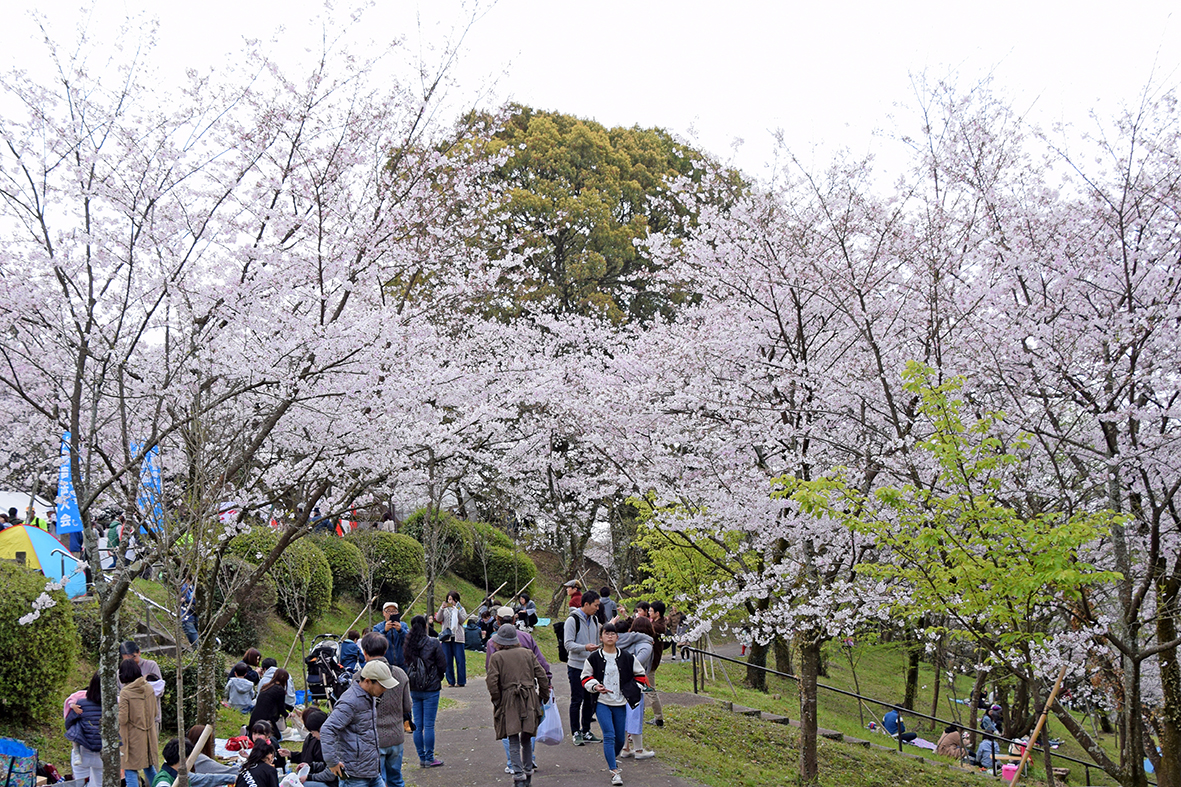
x=549, y=729
x=445, y=635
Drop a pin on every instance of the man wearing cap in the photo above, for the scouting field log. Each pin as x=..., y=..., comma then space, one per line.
x=525, y=639
x=393, y=712
x=129, y=650
x=394, y=629
x=348, y=737
x=573, y=594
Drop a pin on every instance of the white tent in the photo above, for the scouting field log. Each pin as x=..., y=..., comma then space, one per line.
x=20, y=501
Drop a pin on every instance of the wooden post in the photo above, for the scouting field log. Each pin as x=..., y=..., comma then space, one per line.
x=303, y=623
x=1038, y=729
x=359, y=614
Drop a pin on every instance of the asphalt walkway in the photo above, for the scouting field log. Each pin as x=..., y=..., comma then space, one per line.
x=467, y=744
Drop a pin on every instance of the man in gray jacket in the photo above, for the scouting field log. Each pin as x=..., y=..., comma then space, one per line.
x=580, y=636
x=349, y=736
x=393, y=712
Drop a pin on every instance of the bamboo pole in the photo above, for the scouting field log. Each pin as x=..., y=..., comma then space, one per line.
x=364, y=609
x=1038, y=729
x=522, y=590
x=303, y=623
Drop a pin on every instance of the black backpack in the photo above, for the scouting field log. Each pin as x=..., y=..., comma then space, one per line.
x=563, y=655
x=418, y=675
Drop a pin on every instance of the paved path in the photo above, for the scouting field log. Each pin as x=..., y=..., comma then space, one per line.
x=466, y=742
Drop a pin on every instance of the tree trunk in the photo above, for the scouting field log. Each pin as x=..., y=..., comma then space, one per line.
x=1132, y=740
x=809, y=718
x=207, y=680
x=782, y=655
x=974, y=700
x=108, y=669
x=938, y=682
x=913, y=652
x=1168, y=770
x=755, y=677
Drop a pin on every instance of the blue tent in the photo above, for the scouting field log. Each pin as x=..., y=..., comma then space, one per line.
x=37, y=549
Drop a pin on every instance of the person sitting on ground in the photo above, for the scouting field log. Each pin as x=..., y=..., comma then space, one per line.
x=993, y=721
x=253, y=660
x=526, y=611
x=312, y=754
x=269, y=668
x=272, y=702
x=987, y=752
x=894, y=725
x=172, y=756
x=265, y=732
x=488, y=627
x=350, y=651
x=951, y=744
x=205, y=764
x=239, y=689
x=259, y=770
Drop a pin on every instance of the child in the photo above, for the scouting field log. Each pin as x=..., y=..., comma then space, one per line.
x=167, y=775
x=239, y=689
x=350, y=651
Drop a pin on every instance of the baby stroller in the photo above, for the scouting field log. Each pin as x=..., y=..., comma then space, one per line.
x=327, y=679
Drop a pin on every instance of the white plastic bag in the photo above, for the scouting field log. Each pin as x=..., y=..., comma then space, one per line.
x=549, y=731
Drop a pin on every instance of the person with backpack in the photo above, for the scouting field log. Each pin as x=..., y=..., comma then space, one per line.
x=516, y=683
x=614, y=675
x=84, y=728
x=425, y=668
x=394, y=712
x=580, y=638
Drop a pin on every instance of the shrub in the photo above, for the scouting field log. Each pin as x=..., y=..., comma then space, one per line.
x=398, y=560
x=168, y=699
x=37, y=658
x=303, y=579
x=454, y=535
x=88, y=622
x=346, y=562
x=505, y=565
x=248, y=627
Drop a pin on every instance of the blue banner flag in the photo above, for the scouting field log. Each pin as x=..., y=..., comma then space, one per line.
x=151, y=490
x=69, y=518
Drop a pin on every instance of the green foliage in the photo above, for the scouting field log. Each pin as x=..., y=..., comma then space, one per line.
x=955, y=551
x=579, y=200
x=248, y=627
x=684, y=560
x=303, y=578
x=35, y=658
x=399, y=561
x=88, y=622
x=345, y=560
x=168, y=699
x=450, y=534
x=505, y=565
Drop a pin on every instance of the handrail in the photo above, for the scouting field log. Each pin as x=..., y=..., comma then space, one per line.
x=147, y=600
x=1086, y=765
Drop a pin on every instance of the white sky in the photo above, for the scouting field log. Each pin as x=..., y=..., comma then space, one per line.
x=825, y=73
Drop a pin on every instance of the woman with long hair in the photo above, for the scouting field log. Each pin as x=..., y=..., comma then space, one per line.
x=425, y=666
x=271, y=704
x=83, y=727
x=137, y=724
x=259, y=768
x=452, y=617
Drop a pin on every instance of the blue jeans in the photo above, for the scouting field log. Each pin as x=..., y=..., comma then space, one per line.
x=508, y=755
x=426, y=707
x=456, y=662
x=374, y=781
x=391, y=765
x=613, y=722
x=132, y=777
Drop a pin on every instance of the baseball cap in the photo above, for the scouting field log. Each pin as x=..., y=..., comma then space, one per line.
x=380, y=672
x=389, y=604
x=504, y=612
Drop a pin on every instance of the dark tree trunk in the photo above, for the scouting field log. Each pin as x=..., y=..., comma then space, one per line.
x=1168, y=770
x=809, y=717
x=782, y=649
x=755, y=677
x=974, y=699
x=913, y=652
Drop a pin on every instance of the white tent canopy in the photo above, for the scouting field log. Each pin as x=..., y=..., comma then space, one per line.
x=20, y=501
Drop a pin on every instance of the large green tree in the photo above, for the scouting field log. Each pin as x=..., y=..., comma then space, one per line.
x=578, y=202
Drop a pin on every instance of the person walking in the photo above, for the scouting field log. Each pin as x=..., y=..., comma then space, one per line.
x=137, y=725
x=452, y=617
x=348, y=737
x=639, y=642
x=129, y=651
x=580, y=635
x=660, y=631
x=616, y=677
x=84, y=728
x=394, y=712
x=516, y=683
x=425, y=667
x=525, y=640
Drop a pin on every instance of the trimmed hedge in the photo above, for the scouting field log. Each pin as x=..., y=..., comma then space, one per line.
x=37, y=658
x=505, y=562
x=248, y=627
x=455, y=537
x=399, y=561
x=505, y=565
x=168, y=699
x=346, y=562
x=88, y=622
x=302, y=564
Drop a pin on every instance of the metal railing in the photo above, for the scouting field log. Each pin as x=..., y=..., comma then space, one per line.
x=699, y=656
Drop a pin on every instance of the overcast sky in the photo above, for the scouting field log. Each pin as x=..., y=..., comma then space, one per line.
x=825, y=73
